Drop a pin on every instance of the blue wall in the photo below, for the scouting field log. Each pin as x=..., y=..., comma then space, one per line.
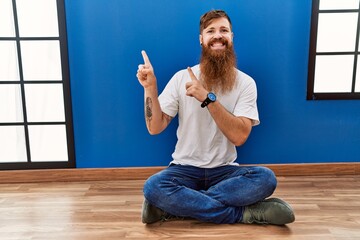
x=271, y=40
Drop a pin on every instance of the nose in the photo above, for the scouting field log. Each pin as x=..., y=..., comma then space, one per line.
x=217, y=35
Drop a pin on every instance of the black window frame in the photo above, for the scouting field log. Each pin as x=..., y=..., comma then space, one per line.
x=70, y=162
x=311, y=95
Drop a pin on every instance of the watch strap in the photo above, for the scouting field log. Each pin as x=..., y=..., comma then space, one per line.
x=211, y=97
x=205, y=102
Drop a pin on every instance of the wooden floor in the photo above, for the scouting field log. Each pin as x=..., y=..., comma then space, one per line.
x=326, y=207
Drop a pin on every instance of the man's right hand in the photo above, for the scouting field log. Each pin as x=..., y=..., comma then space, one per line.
x=145, y=73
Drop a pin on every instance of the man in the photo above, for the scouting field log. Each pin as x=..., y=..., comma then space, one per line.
x=216, y=106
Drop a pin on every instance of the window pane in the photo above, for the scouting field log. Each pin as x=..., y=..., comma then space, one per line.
x=10, y=103
x=7, y=28
x=41, y=60
x=37, y=18
x=9, y=68
x=333, y=73
x=336, y=32
x=12, y=143
x=357, y=86
x=44, y=102
x=48, y=143
x=357, y=83
x=338, y=4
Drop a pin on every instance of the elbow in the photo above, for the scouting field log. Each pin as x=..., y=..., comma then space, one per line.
x=240, y=137
x=238, y=143
x=239, y=140
x=152, y=132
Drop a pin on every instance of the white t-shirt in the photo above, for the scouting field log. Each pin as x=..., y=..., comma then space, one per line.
x=200, y=142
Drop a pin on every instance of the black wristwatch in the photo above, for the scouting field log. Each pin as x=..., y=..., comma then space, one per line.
x=211, y=97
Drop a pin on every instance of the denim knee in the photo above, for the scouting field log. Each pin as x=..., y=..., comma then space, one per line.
x=270, y=179
x=152, y=191
x=149, y=185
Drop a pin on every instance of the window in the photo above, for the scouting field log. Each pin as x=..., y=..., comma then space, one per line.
x=35, y=105
x=334, y=64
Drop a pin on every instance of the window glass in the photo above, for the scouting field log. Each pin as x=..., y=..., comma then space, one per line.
x=35, y=115
x=9, y=67
x=44, y=102
x=37, y=18
x=10, y=103
x=41, y=60
x=7, y=28
x=333, y=36
x=333, y=63
x=48, y=143
x=338, y=4
x=333, y=73
x=12, y=142
x=357, y=84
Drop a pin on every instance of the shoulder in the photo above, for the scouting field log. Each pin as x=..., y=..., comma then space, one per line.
x=244, y=80
x=241, y=76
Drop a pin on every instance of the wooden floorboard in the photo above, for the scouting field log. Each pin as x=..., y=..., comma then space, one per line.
x=139, y=173
x=326, y=207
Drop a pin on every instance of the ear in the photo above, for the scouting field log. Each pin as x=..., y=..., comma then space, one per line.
x=200, y=39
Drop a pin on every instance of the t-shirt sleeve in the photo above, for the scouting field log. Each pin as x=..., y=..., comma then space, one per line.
x=246, y=105
x=169, y=98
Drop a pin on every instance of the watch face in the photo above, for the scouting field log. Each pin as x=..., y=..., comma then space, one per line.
x=212, y=96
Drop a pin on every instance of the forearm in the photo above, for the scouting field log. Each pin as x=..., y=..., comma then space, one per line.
x=236, y=129
x=155, y=121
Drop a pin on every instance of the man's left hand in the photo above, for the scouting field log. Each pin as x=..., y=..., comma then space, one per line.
x=195, y=88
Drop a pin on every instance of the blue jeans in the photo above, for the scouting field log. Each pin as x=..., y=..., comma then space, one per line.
x=215, y=195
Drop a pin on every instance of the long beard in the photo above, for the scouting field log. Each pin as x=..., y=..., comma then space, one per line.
x=218, y=68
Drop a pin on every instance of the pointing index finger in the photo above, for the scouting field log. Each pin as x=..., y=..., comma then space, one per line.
x=145, y=57
x=192, y=75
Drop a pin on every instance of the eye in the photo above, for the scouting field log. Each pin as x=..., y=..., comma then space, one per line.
x=210, y=31
x=224, y=30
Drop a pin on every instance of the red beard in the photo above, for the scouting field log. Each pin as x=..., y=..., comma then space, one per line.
x=218, y=67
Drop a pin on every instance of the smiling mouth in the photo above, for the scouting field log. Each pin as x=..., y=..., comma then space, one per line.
x=217, y=45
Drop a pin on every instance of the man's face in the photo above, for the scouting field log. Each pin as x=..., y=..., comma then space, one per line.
x=218, y=35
